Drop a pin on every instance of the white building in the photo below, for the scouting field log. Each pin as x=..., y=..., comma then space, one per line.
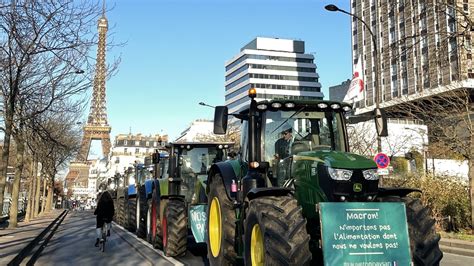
x=277, y=68
x=197, y=130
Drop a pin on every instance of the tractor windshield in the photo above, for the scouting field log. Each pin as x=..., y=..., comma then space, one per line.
x=290, y=132
x=196, y=162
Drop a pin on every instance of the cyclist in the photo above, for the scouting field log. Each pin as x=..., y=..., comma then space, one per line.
x=104, y=211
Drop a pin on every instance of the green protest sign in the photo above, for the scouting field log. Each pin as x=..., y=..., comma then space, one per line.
x=364, y=234
x=197, y=215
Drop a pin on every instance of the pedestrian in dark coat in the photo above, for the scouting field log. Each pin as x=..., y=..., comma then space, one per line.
x=105, y=212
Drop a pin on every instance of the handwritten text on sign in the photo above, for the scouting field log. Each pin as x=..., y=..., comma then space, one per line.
x=364, y=232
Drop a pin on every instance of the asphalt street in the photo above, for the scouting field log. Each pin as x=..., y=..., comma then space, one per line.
x=73, y=244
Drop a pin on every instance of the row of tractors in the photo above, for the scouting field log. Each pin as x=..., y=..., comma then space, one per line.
x=264, y=208
x=163, y=200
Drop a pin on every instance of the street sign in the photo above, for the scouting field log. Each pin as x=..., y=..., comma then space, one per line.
x=382, y=171
x=382, y=160
x=364, y=233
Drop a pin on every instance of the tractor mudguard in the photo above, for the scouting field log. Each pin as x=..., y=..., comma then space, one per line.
x=227, y=173
x=148, y=188
x=132, y=191
x=400, y=192
x=268, y=191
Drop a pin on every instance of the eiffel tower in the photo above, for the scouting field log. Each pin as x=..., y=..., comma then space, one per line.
x=96, y=127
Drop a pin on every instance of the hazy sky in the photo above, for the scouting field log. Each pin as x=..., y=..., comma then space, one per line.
x=175, y=53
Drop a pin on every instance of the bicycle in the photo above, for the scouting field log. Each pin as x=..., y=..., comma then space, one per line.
x=103, y=238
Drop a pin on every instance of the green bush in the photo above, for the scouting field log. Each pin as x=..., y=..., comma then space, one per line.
x=445, y=196
x=400, y=165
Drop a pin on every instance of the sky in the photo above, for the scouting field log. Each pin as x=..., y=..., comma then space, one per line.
x=175, y=51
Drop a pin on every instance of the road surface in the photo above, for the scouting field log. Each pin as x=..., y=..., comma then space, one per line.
x=73, y=244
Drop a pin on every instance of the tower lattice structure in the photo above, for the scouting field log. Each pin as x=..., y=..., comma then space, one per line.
x=97, y=127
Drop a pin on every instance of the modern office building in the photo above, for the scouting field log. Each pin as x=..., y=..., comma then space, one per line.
x=277, y=68
x=338, y=92
x=424, y=47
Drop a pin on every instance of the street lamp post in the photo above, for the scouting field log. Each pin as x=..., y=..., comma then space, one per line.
x=377, y=111
x=205, y=104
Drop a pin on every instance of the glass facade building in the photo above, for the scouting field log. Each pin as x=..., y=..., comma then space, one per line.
x=424, y=47
x=277, y=68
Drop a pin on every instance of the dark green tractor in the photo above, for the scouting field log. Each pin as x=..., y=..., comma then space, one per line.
x=178, y=202
x=263, y=208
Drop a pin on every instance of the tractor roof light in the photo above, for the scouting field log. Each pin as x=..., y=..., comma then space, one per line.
x=289, y=105
x=276, y=105
x=262, y=107
x=188, y=147
x=226, y=146
x=220, y=147
x=340, y=174
x=252, y=93
x=322, y=105
x=335, y=106
x=346, y=108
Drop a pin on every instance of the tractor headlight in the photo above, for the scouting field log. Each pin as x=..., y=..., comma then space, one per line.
x=340, y=174
x=371, y=174
x=131, y=180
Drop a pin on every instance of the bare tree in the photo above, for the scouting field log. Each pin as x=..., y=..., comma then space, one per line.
x=44, y=60
x=450, y=120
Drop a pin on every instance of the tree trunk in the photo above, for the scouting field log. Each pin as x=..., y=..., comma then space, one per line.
x=49, y=198
x=5, y=154
x=31, y=191
x=38, y=191
x=20, y=149
x=43, y=200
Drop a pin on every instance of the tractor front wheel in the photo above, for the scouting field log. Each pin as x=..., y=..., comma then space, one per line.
x=275, y=233
x=221, y=221
x=156, y=240
x=175, y=228
x=424, y=241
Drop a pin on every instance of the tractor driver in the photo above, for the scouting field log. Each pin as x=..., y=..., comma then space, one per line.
x=282, y=145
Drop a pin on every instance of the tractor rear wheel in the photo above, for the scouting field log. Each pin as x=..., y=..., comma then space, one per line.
x=120, y=207
x=156, y=239
x=175, y=228
x=275, y=233
x=140, y=219
x=424, y=241
x=221, y=221
x=130, y=212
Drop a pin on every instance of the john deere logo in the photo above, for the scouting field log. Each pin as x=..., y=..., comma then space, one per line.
x=357, y=187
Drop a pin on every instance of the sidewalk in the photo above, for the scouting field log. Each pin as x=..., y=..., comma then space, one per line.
x=455, y=246
x=12, y=241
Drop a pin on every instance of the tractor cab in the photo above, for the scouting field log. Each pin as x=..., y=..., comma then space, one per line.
x=193, y=160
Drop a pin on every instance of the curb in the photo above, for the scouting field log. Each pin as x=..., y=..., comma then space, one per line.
x=455, y=246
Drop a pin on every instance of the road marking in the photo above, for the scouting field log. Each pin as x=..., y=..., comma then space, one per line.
x=159, y=252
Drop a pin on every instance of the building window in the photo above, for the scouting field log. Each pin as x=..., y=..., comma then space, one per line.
x=137, y=150
x=125, y=142
x=137, y=143
x=125, y=150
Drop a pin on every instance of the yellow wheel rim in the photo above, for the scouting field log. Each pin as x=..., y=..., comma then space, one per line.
x=215, y=227
x=256, y=246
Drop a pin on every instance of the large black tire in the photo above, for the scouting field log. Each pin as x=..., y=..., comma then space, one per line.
x=130, y=212
x=149, y=221
x=284, y=240
x=141, y=218
x=226, y=254
x=157, y=240
x=175, y=228
x=424, y=241
x=121, y=211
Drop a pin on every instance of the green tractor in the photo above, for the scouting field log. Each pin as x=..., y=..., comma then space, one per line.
x=178, y=203
x=265, y=208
